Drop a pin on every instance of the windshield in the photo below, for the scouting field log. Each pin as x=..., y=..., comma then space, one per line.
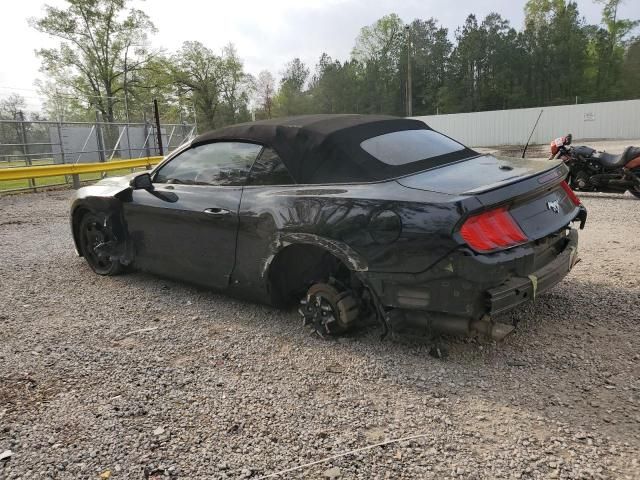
x=408, y=146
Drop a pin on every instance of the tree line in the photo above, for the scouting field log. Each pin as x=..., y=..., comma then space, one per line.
x=104, y=62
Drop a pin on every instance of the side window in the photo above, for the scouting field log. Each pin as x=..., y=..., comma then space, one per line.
x=269, y=170
x=220, y=163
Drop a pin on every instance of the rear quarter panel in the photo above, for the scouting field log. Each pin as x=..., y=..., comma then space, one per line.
x=338, y=218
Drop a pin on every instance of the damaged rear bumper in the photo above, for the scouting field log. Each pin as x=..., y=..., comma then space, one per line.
x=518, y=290
x=463, y=292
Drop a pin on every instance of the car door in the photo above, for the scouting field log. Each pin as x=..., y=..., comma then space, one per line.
x=186, y=226
x=262, y=213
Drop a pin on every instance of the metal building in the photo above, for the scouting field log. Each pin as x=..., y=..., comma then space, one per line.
x=588, y=121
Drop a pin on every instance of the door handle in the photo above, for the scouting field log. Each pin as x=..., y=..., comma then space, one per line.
x=217, y=212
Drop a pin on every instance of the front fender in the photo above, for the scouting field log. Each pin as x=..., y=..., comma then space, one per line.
x=109, y=206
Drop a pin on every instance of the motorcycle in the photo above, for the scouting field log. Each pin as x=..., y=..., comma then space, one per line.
x=594, y=171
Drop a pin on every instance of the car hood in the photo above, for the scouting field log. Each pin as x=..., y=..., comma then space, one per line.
x=477, y=175
x=117, y=181
x=107, y=187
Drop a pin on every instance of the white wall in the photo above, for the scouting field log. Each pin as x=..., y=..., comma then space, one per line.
x=608, y=120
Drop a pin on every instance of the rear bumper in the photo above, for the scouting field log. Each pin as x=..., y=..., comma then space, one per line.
x=518, y=290
x=464, y=288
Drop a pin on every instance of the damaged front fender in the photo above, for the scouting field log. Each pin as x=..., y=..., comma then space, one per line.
x=109, y=205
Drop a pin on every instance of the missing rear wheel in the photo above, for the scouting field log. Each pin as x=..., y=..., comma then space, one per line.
x=328, y=311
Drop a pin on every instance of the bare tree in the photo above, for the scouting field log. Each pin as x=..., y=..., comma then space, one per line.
x=12, y=106
x=265, y=89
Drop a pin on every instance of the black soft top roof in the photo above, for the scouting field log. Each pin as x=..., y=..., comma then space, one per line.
x=326, y=148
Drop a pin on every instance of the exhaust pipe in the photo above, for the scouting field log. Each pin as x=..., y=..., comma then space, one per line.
x=429, y=323
x=488, y=327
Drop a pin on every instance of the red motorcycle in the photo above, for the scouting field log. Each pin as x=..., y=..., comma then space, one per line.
x=593, y=171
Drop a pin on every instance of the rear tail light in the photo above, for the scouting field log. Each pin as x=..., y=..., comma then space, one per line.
x=492, y=230
x=570, y=193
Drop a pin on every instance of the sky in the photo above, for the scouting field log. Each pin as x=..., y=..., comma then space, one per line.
x=266, y=33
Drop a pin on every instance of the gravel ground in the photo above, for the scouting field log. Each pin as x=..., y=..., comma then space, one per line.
x=139, y=377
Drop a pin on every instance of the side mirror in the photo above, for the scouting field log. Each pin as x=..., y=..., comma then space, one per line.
x=141, y=182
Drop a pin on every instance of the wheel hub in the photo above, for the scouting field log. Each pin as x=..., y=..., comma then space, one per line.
x=95, y=237
x=316, y=311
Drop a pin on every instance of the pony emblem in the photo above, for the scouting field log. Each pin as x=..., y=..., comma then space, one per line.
x=553, y=206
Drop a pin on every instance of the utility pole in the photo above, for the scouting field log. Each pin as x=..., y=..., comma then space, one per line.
x=126, y=102
x=409, y=83
x=100, y=138
x=25, y=147
x=147, y=150
x=195, y=115
x=158, y=131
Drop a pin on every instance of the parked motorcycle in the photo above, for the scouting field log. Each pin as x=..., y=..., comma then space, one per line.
x=594, y=171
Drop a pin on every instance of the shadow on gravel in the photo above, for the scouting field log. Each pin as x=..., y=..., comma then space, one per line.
x=21, y=392
x=573, y=358
x=585, y=308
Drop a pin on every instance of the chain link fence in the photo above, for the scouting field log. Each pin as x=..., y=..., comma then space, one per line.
x=31, y=143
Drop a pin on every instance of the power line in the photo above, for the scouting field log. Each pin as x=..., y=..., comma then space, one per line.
x=23, y=96
x=18, y=88
x=57, y=94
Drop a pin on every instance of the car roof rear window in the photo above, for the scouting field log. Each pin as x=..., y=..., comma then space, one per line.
x=408, y=146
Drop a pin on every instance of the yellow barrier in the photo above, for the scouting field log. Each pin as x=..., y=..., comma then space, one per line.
x=40, y=171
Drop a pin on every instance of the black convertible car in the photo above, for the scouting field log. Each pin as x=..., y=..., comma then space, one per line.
x=349, y=215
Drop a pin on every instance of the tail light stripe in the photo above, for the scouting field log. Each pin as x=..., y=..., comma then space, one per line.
x=492, y=230
x=506, y=226
x=472, y=232
x=570, y=193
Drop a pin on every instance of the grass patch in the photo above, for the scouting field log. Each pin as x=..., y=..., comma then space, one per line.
x=22, y=163
x=48, y=181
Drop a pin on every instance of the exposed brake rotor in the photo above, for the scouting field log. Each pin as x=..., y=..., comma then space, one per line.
x=317, y=313
x=327, y=311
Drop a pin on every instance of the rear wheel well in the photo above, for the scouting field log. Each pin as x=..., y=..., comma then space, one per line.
x=297, y=267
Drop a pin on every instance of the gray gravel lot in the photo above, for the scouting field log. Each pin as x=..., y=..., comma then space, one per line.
x=139, y=377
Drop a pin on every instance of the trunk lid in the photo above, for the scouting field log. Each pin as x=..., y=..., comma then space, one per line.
x=477, y=175
x=531, y=189
x=544, y=213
